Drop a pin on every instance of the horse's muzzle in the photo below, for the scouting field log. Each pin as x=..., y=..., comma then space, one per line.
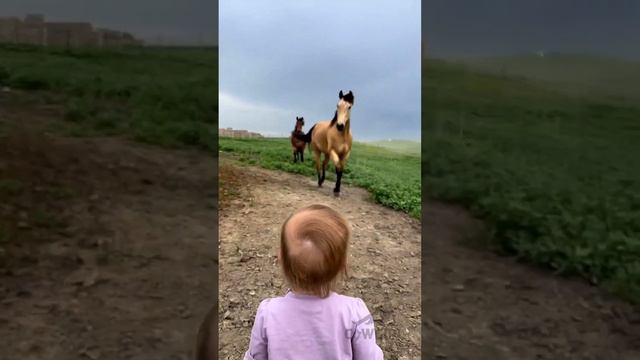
x=340, y=127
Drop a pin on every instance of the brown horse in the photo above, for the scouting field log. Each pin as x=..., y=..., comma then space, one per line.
x=296, y=143
x=333, y=139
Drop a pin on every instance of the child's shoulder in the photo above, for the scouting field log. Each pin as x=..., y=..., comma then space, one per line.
x=267, y=301
x=349, y=299
x=355, y=304
x=271, y=302
x=338, y=299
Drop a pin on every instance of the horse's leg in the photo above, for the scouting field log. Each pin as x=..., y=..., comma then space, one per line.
x=316, y=158
x=301, y=155
x=344, y=158
x=338, y=164
x=339, y=169
x=324, y=166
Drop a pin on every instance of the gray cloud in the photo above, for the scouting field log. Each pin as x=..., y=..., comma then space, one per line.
x=296, y=56
x=497, y=27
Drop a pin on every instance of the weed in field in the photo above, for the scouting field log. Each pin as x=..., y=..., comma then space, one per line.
x=4, y=235
x=46, y=219
x=4, y=76
x=10, y=186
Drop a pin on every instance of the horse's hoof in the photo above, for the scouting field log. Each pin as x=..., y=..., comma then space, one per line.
x=336, y=193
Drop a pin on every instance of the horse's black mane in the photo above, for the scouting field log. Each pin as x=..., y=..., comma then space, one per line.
x=335, y=118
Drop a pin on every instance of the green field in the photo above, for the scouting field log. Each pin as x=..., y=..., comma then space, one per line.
x=554, y=172
x=613, y=79
x=401, y=146
x=164, y=96
x=393, y=178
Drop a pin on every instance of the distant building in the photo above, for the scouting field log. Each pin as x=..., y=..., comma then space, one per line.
x=71, y=34
x=9, y=29
x=108, y=37
x=33, y=29
x=229, y=132
x=34, y=19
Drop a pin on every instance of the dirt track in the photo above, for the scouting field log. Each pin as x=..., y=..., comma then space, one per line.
x=384, y=261
x=110, y=253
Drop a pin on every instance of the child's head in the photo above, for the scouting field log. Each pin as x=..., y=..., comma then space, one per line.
x=313, y=249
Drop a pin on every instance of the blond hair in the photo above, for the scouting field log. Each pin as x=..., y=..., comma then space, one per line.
x=314, y=252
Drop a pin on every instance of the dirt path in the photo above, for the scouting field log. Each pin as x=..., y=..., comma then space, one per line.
x=385, y=261
x=482, y=306
x=107, y=250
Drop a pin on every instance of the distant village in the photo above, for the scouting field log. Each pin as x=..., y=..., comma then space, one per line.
x=229, y=132
x=35, y=30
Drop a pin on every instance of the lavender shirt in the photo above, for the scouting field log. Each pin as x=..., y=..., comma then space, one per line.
x=298, y=326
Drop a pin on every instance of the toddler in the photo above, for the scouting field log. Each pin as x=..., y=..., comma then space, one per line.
x=312, y=321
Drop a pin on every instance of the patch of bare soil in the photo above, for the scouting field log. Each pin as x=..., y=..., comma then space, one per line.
x=105, y=246
x=482, y=306
x=384, y=261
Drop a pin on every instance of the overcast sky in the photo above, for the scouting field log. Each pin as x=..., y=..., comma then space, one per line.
x=171, y=21
x=499, y=27
x=282, y=59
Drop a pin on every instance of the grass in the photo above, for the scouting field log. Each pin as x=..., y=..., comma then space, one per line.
x=401, y=146
x=554, y=173
x=392, y=178
x=575, y=74
x=4, y=236
x=45, y=219
x=163, y=96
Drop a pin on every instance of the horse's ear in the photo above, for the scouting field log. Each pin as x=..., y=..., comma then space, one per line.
x=349, y=97
x=340, y=95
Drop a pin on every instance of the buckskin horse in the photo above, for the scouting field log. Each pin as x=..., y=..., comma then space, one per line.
x=333, y=139
x=296, y=142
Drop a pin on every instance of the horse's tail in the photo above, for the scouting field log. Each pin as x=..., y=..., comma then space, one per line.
x=302, y=136
x=307, y=137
